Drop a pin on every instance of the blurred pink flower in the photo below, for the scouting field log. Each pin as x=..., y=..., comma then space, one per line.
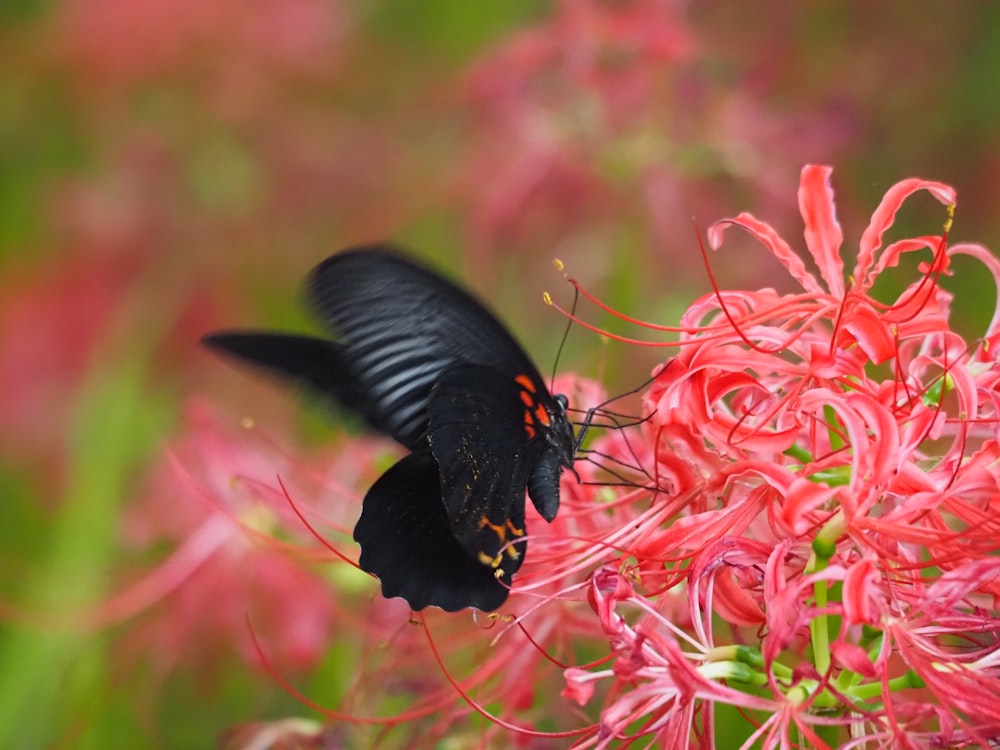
x=52, y=318
x=247, y=146
x=556, y=95
x=242, y=556
x=128, y=42
x=605, y=113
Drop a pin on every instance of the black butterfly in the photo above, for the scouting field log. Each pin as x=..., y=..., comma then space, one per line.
x=422, y=361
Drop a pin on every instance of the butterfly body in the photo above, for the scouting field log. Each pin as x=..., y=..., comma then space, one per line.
x=422, y=361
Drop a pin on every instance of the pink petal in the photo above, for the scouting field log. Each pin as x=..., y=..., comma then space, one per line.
x=871, y=332
x=885, y=214
x=802, y=498
x=992, y=263
x=853, y=657
x=770, y=239
x=579, y=686
x=822, y=232
x=859, y=585
x=734, y=603
x=891, y=255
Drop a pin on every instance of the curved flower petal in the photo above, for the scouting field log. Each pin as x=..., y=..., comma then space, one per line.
x=883, y=217
x=871, y=332
x=823, y=234
x=770, y=239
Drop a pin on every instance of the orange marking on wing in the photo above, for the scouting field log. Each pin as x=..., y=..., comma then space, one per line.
x=498, y=529
x=541, y=415
x=513, y=529
x=525, y=382
x=527, y=399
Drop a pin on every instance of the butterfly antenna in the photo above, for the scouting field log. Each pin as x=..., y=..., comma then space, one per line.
x=562, y=345
x=569, y=324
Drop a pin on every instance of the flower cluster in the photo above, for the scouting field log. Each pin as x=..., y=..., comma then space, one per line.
x=831, y=569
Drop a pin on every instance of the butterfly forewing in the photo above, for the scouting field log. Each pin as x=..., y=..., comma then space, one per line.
x=401, y=326
x=489, y=431
x=314, y=363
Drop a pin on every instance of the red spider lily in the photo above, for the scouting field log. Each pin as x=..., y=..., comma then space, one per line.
x=241, y=554
x=840, y=510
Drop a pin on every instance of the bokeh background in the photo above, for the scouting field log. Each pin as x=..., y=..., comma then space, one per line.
x=170, y=166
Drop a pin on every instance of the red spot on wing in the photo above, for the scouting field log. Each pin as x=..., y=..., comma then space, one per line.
x=529, y=426
x=525, y=382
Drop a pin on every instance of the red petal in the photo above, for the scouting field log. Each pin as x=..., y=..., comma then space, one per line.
x=885, y=214
x=871, y=332
x=823, y=233
x=770, y=239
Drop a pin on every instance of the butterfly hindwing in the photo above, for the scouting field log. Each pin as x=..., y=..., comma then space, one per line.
x=406, y=541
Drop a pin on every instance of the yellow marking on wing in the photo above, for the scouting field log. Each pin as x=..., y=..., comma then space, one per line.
x=493, y=562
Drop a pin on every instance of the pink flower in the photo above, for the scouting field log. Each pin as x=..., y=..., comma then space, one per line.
x=128, y=43
x=836, y=533
x=52, y=320
x=241, y=555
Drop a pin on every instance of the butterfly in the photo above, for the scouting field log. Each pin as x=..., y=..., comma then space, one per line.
x=422, y=361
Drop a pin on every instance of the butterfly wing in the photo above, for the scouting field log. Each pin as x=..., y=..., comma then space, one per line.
x=314, y=363
x=407, y=542
x=489, y=432
x=400, y=326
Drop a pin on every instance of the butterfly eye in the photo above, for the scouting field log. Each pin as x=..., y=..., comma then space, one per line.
x=562, y=401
